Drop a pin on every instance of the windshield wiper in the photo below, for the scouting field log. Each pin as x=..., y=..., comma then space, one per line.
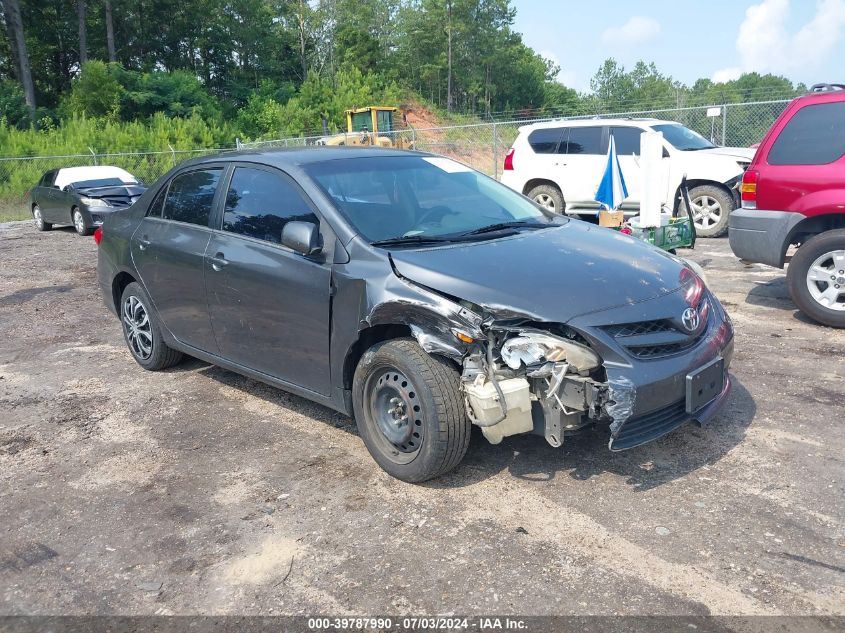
x=500, y=226
x=401, y=240
x=696, y=149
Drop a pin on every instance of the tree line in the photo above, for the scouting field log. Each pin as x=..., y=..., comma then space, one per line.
x=272, y=67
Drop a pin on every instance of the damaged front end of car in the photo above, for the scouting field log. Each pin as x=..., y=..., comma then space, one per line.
x=517, y=375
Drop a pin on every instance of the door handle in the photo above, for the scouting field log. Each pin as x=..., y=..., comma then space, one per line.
x=143, y=243
x=218, y=261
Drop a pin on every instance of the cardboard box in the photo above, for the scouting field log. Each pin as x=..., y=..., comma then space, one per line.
x=611, y=218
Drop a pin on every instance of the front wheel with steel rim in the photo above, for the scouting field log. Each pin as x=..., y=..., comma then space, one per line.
x=79, y=222
x=409, y=410
x=816, y=278
x=711, y=207
x=142, y=332
x=549, y=197
x=40, y=224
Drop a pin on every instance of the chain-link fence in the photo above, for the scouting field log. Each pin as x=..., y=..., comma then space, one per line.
x=481, y=145
x=484, y=145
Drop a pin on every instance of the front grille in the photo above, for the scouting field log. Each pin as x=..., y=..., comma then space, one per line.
x=635, y=329
x=648, y=340
x=645, y=428
x=659, y=351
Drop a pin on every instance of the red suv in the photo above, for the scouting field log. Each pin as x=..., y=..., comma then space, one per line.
x=794, y=193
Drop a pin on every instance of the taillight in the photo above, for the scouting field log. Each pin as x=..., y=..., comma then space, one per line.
x=98, y=235
x=748, y=189
x=509, y=160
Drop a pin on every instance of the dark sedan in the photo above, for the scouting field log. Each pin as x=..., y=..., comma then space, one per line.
x=82, y=196
x=418, y=295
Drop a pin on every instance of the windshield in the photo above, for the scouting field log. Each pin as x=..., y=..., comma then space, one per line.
x=100, y=182
x=683, y=138
x=419, y=197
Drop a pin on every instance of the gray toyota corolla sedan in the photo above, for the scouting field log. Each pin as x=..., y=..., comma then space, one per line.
x=418, y=295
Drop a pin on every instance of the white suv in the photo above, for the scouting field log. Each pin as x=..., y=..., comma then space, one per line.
x=559, y=164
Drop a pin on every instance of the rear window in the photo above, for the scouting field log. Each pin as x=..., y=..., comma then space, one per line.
x=545, y=140
x=585, y=140
x=190, y=196
x=815, y=135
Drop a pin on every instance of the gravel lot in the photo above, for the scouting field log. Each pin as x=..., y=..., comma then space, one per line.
x=199, y=491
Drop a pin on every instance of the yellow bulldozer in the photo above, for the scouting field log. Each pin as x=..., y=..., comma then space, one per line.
x=374, y=125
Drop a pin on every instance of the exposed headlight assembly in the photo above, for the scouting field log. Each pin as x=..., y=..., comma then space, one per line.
x=532, y=348
x=94, y=202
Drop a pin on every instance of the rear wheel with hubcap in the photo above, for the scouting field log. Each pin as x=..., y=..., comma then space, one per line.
x=142, y=332
x=816, y=278
x=711, y=208
x=548, y=196
x=40, y=224
x=409, y=410
x=79, y=222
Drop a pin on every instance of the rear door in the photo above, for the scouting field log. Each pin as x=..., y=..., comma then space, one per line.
x=586, y=150
x=545, y=162
x=46, y=198
x=805, y=160
x=168, y=249
x=269, y=305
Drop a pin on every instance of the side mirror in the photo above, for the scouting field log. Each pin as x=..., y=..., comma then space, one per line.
x=302, y=237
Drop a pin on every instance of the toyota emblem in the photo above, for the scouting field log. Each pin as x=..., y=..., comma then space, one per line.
x=690, y=319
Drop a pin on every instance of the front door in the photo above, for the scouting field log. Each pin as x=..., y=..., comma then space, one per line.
x=269, y=305
x=168, y=249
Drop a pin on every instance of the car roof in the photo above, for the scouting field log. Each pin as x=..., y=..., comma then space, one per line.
x=286, y=157
x=634, y=122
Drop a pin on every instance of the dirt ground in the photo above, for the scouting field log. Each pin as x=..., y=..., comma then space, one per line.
x=197, y=491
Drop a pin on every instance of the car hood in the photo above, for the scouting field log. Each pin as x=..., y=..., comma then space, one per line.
x=128, y=191
x=549, y=275
x=740, y=153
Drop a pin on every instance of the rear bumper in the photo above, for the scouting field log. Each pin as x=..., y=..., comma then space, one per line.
x=762, y=236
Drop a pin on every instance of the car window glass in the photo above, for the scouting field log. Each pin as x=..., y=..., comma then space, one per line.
x=48, y=179
x=190, y=196
x=627, y=140
x=155, y=208
x=815, y=135
x=584, y=140
x=545, y=140
x=259, y=204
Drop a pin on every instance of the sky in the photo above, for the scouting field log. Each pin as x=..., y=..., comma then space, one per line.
x=803, y=40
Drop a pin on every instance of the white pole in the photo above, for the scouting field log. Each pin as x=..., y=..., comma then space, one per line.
x=651, y=157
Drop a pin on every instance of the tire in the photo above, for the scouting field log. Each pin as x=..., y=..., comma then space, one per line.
x=816, y=278
x=79, y=223
x=716, y=204
x=550, y=197
x=424, y=392
x=40, y=224
x=144, y=339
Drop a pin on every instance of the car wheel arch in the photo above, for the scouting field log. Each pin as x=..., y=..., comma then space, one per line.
x=119, y=283
x=538, y=182
x=368, y=337
x=811, y=226
x=692, y=183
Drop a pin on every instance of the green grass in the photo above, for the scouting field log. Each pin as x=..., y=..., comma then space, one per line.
x=13, y=209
